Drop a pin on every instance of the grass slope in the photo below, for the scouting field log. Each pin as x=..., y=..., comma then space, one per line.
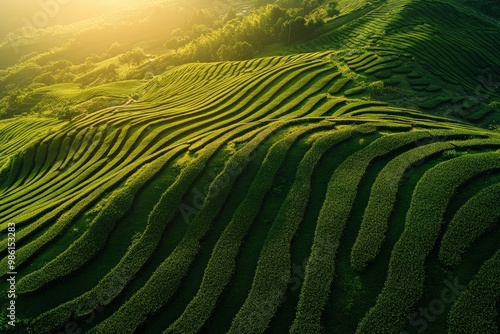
x=289, y=188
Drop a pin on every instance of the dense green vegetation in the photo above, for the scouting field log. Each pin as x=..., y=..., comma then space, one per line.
x=292, y=166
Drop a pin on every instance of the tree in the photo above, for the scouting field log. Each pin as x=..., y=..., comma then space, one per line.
x=66, y=113
x=310, y=5
x=239, y=51
x=149, y=75
x=332, y=8
x=110, y=71
x=296, y=29
x=115, y=49
x=243, y=50
x=46, y=78
x=175, y=42
x=201, y=17
x=223, y=53
x=231, y=14
x=134, y=56
x=58, y=65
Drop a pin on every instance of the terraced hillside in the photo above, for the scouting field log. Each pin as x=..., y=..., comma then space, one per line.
x=436, y=56
x=279, y=194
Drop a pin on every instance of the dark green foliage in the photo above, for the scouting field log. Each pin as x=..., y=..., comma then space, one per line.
x=341, y=193
x=392, y=82
x=336, y=112
x=273, y=269
x=135, y=56
x=221, y=266
x=94, y=239
x=339, y=85
x=354, y=91
x=434, y=103
x=461, y=233
x=381, y=204
x=383, y=75
x=176, y=265
x=239, y=51
x=475, y=310
x=405, y=279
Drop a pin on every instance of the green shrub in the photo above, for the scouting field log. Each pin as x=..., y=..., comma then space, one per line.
x=392, y=82
x=87, y=246
x=434, y=103
x=475, y=311
x=404, y=69
x=471, y=221
x=341, y=194
x=383, y=74
x=419, y=82
x=381, y=203
x=354, y=91
x=164, y=211
x=482, y=112
x=414, y=75
x=222, y=262
x=167, y=277
x=339, y=85
x=273, y=268
x=433, y=88
x=405, y=281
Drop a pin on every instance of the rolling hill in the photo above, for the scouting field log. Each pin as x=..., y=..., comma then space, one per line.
x=346, y=184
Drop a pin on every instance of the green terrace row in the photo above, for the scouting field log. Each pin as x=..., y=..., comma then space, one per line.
x=400, y=132
x=406, y=274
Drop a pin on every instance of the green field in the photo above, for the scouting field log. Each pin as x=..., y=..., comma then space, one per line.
x=343, y=182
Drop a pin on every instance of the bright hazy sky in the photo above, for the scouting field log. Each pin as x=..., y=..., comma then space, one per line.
x=42, y=13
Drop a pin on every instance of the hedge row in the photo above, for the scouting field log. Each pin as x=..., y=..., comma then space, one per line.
x=82, y=136
x=86, y=142
x=384, y=191
x=29, y=159
x=72, y=206
x=476, y=309
x=72, y=203
x=383, y=194
x=165, y=281
x=42, y=193
x=341, y=194
x=80, y=185
x=246, y=103
x=222, y=263
x=339, y=85
x=164, y=211
x=405, y=280
x=80, y=179
x=10, y=170
x=380, y=61
x=54, y=152
x=273, y=268
x=45, y=160
x=472, y=220
x=94, y=238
